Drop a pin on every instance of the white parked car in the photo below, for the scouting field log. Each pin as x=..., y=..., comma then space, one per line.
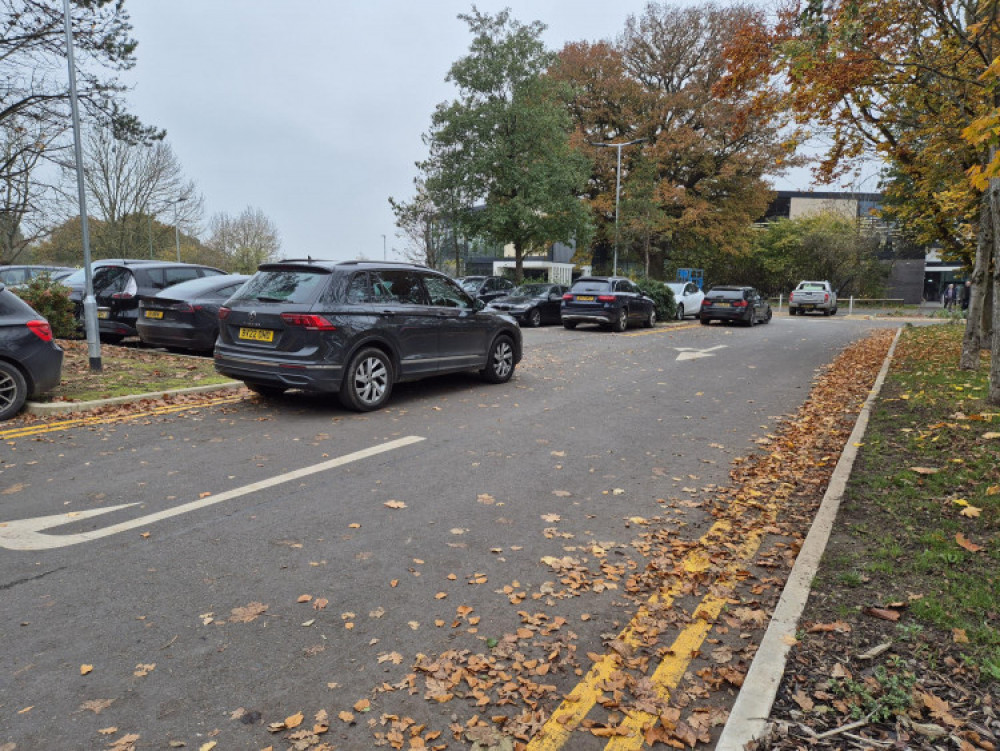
x=688, y=298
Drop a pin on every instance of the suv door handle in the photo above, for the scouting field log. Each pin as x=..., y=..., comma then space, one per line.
x=388, y=312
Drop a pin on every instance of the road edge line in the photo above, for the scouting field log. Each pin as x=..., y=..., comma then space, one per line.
x=752, y=708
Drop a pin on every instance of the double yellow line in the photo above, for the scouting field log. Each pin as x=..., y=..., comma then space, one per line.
x=27, y=431
x=578, y=703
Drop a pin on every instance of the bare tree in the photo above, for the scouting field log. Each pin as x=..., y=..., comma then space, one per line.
x=22, y=145
x=130, y=184
x=245, y=241
x=418, y=221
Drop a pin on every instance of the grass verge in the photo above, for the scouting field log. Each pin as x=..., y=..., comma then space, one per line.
x=910, y=577
x=127, y=371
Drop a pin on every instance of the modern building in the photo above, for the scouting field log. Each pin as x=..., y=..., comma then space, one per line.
x=915, y=275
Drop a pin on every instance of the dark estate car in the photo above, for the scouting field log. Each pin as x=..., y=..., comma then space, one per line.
x=186, y=315
x=356, y=328
x=119, y=284
x=487, y=288
x=532, y=304
x=610, y=301
x=30, y=361
x=15, y=275
x=743, y=304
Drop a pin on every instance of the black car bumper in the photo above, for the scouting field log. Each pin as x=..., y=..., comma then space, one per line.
x=176, y=335
x=43, y=364
x=309, y=377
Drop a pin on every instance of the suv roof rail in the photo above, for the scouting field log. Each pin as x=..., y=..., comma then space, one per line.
x=356, y=261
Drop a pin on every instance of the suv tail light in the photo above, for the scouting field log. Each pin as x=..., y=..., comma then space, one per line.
x=122, y=296
x=740, y=303
x=224, y=312
x=567, y=296
x=309, y=321
x=605, y=298
x=41, y=329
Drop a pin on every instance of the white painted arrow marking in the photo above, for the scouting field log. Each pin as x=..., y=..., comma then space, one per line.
x=28, y=534
x=690, y=353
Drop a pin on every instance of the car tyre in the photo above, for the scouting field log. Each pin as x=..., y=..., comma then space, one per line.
x=791, y=311
x=767, y=318
x=368, y=381
x=13, y=390
x=500, y=364
x=570, y=325
x=705, y=321
x=680, y=312
x=650, y=321
x=266, y=390
x=534, y=318
x=833, y=312
x=112, y=339
x=621, y=321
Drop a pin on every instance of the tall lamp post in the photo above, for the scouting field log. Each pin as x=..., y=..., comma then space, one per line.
x=384, y=256
x=618, y=187
x=177, y=231
x=89, y=301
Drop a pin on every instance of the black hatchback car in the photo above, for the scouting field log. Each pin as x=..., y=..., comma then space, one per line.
x=741, y=304
x=186, y=315
x=356, y=328
x=118, y=286
x=487, y=288
x=609, y=301
x=30, y=361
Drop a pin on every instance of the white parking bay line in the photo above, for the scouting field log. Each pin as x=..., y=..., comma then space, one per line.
x=28, y=534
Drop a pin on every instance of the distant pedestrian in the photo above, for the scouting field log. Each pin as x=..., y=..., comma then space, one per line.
x=949, y=297
x=966, y=294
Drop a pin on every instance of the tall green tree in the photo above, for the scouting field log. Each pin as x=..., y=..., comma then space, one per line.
x=503, y=147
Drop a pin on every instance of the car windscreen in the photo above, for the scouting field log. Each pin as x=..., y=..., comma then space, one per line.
x=472, y=284
x=675, y=288
x=530, y=290
x=591, y=285
x=725, y=294
x=282, y=285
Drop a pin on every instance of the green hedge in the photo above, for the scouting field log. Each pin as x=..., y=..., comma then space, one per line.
x=662, y=295
x=51, y=300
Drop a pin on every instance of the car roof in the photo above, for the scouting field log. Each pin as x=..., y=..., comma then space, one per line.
x=327, y=265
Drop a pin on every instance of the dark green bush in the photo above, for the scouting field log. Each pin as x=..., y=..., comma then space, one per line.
x=51, y=300
x=661, y=294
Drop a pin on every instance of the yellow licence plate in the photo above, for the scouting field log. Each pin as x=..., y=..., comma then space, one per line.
x=722, y=305
x=257, y=335
x=104, y=313
x=585, y=298
x=154, y=314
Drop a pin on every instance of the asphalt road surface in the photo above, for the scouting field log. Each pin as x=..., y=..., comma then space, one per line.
x=252, y=560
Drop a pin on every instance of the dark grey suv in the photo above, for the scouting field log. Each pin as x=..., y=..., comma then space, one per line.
x=356, y=328
x=30, y=361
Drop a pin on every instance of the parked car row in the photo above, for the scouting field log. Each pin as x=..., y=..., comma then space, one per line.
x=353, y=328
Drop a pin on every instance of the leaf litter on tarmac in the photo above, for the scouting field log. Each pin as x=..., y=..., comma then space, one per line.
x=513, y=678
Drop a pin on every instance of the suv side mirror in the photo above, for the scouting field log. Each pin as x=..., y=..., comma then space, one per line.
x=480, y=304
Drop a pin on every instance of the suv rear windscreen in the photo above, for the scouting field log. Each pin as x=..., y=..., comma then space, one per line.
x=594, y=285
x=283, y=285
x=725, y=294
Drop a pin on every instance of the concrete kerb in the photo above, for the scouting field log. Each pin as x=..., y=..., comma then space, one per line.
x=54, y=408
x=748, y=718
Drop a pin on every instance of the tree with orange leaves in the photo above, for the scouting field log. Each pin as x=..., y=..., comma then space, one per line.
x=696, y=183
x=905, y=79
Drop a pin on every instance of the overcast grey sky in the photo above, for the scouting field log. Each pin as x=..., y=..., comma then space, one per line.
x=313, y=110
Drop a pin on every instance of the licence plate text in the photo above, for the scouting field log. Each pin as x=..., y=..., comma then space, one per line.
x=257, y=335
x=585, y=298
x=105, y=313
x=154, y=314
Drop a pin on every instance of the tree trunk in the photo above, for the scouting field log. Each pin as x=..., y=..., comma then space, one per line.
x=518, y=263
x=973, y=340
x=994, y=393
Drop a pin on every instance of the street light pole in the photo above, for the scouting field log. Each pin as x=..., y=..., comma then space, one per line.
x=384, y=256
x=89, y=301
x=618, y=188
x=177, y=231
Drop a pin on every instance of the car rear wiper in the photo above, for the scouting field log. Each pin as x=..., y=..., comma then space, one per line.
x=265, y=298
